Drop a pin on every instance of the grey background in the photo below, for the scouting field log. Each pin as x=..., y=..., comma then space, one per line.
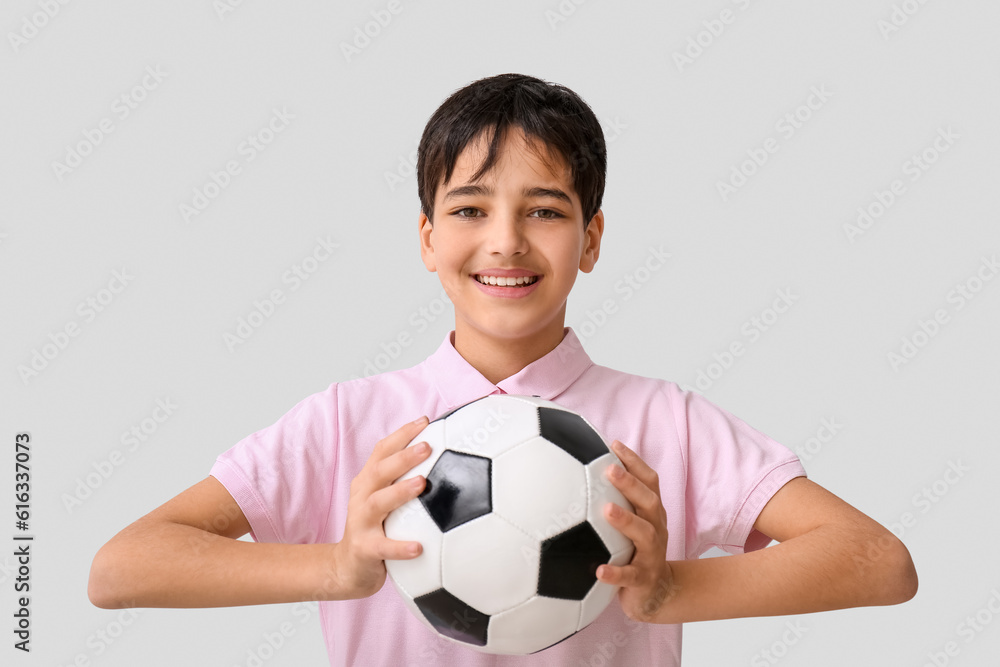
x=675, y=132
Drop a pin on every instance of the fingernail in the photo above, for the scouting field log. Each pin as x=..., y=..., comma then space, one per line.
x=418, y=422
x=615, y=471
x=422, y=448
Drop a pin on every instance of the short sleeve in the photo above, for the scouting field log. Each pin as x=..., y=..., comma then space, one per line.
x=282, y=476
x=732, y=471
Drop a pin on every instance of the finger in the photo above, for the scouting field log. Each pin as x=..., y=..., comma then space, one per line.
x=639, y=494
x=619, y=575
x=609, y=574
x=639, y=530
x=635, y=465
x=399, y=438
x=385, y=500
x=398, y=549
x=639, y=571
x=388, y=470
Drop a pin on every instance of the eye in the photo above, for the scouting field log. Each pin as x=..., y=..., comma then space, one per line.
x=461, y=212
x=541, y=214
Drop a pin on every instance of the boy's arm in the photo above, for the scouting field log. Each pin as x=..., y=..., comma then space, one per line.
x=830, y=556
x=185, y=552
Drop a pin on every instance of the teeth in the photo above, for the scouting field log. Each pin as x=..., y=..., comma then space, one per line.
x=506, y=282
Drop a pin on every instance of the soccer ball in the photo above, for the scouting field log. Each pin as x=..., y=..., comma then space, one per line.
x=512, y=526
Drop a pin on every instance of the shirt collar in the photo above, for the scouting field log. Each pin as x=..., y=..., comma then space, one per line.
x=458, y=382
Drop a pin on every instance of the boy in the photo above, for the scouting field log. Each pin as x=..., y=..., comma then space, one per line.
x=511, y=175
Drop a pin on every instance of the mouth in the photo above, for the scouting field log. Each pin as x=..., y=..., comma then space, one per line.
x=500, y=281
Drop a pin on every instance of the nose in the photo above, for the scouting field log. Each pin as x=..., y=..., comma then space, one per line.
x=506, y=234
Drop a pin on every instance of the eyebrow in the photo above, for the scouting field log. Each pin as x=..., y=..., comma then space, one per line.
x=530, y=193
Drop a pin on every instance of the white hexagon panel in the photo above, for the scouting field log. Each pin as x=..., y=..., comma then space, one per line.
x=490, y=545
x=504, y=422
x=539, y=488
x=529, y=627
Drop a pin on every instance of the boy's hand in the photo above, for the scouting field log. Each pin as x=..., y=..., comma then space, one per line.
x=359, y=558
x=647, y=581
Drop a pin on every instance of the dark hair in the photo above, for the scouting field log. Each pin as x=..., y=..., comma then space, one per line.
x=546, y=111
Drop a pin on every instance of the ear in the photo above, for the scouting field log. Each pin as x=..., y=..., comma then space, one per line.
x=426, y=249
x=592, y=242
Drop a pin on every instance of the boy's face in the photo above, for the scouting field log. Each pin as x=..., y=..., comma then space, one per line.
x=499, y=223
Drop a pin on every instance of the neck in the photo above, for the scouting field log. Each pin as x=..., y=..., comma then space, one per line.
x=497, y=357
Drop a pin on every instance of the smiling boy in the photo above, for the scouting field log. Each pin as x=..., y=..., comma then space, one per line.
x=510, y=177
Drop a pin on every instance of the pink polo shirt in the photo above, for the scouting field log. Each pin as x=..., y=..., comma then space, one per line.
x=292, y=482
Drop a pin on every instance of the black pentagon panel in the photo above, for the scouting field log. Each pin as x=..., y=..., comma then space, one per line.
x=458, y=489
x=569, y=563
x=454, y=410
x=570, y=432
x=453, y=618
